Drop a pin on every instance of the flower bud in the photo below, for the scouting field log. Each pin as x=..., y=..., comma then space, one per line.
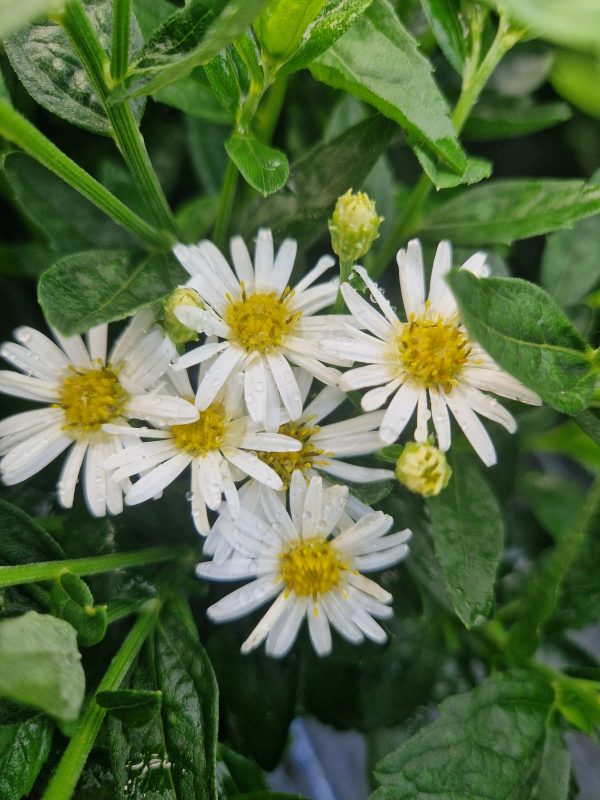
x=354, y=226
x=423, y=469
x=177, y=332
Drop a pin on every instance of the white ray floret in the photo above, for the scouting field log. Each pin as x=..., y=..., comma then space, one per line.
x=219, y=447
x=428, y=363
x=263, y=325
x=309, y=561
x=85, y=389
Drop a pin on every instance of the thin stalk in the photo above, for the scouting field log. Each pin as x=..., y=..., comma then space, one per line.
x=15, y=128
x=345, y=270
x=120, y=39
x=92, y=565
x=225, y=206
x=65, y=778
x=125, y=131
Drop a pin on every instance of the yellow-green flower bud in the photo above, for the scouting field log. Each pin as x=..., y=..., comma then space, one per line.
x=423, y=469
x=354, y=226
x=177, y=332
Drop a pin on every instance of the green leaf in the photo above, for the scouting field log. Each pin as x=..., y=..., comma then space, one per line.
x=526, y=332
x=196, y=217
x=242, y=774
x=73, y=602
x=135, y=707
x=468, y=535
x=193, y=95
x=263, y=167
x=40, y=665
x=281, y=25
x=579, y=702
x=85, y=289
x=589, y=422
x=568, y=440
x=477, y=169
x=506, y=118
x=488, y=743
x=505, y=210
x=14, y=15
x=553, y=498
x=393, y=76
x=150, y=14
x=555, y=772
x=576, y=23
x=370, y=493
x=24, y=748
x=47, y=66
x=189, y=37
x=576, y=76
x=229, y=78
x=318, y=179
x=446, y=26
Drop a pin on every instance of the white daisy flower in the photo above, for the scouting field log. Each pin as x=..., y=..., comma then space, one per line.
x=263, y=324
x=311, y=562
x=428, y=361
x=220, y=447
x=84, y=390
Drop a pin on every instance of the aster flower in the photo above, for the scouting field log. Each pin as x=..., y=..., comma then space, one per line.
x=427, y=361
x=263, y=324
x=219, y=447
x=311, y=562
x=84, y=390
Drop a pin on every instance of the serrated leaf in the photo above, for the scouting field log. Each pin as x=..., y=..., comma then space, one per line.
x=503, y=211
x=135, y=707
x=73, y=601
x=468, y=535
x=47, y=66
x=496, y=118
x=86, y=289
x=40, y=665
x=488, y=743
x=264, y=168
x=392, y=75
x=529, y=336
x=189, y=37
x=318, y=179
x=445, y=24
x=576, y=23
x=24, y=748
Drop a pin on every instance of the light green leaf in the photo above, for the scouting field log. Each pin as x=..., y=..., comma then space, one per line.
x=569, y=440
x=497, y=117
x=14, y=15
x=446, y=26
x=150, y=14
x=194, y=96
x=24, y=748
x=576, y=78
x=529, y=336
x=281, y=25
x=40, y=665
x=73, y=601
x=488, y=743
x=505, y=210
x=196, y=217
x=468, y=535
x=189, y=37
x=393, y=76
x=135, y=707
x=229, y=78
x=263, y=167
x=85, y=289
x=576, y=23
x=477, y=169
x=554, y=778
x=46, y=64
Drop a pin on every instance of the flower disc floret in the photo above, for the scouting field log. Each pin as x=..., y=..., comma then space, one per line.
x=260, y=322
x=200, y=437
x=304, y=459
x=311, y=568
x=91, y=398
x=433, y=352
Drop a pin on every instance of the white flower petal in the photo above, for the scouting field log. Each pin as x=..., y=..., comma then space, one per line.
x=399, y=411
x=216, y=376
x=365, y=314
x=261, y=631
x=39, y=344
x=32, y=455
x=255, y=390
x=326, y=375
x=29, y=362
x=298, y=488
x=74, y=348
x=319, y=631
x=210, y=479
x=322, y=265
x=438, y=288
x=311, y=513
x=241, y=261
x=423, y=415
x=355, y=474
x=337, y=611
x=29, y=388
x=369, y=375
x=472, y=427
x=441, y=420
x=253, y=466
x=157, y=479
x=70, y=473
x=27, y=421
x=284, y=631
x=323, y=404
x=95, y=480
x=375, y=398
x=161, y=409
x=488, y=407
x=412, y=279
x=284, y=264
x=97, y=338
x=378, y=296
x=132, y=335
x=500, y=383
x=286, y=384
x=263, y=261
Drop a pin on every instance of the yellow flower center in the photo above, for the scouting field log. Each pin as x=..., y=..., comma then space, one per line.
x=311, y=567
x=284, y=464
x=205, y=434
x=259, y=322
x=90, y=398
x=433, y=352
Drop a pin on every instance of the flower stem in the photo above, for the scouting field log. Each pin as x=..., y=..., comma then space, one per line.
x=225, y=206
x=65, y=777
x=120, y=39
x=92, y=565
x=345, y=270
x=15, y=128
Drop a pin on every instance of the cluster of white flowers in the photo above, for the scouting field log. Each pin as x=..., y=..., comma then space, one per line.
x=304, y=540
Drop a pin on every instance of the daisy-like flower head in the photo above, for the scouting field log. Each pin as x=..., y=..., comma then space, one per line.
x=263, y=324
x=84, y=391
x=219, y=447
x=429, y=361
x=310, y=560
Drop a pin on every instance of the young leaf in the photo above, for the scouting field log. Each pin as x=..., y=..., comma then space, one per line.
x=281, y=25
x=47, y=66
x=189, y=37
x=477, y=169
x=229, y=78
x=496, y=118
x=14, y=15
x=487, y=743
x=576, y=23
x=24, y=748
x=85, y=289
x=393, y=76
x=318, y=179
x=40, y=665
x=135, y=707
x=468, y=535
x=263, y=167
x=502, y=211
x=526, y=332
x=72, y=601
x=446, y=26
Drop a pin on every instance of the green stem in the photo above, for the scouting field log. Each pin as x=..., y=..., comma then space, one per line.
x=127, y=136
x=63, y=782
x=120, y=39
x=225, y=206
x=92, y=565
x=17, y=129
x=345, y=269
